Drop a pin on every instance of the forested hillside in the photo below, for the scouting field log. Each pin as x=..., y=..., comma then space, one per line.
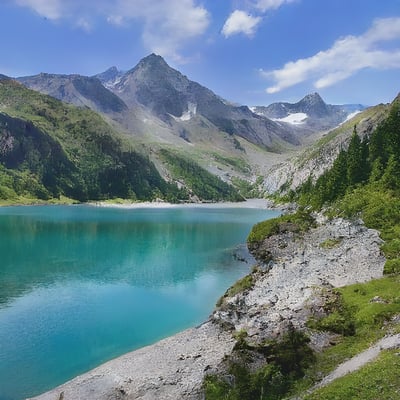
x=50, y=149
x=364, y=181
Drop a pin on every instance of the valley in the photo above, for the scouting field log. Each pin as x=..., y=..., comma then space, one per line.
x=159, y=114
x=151, y=134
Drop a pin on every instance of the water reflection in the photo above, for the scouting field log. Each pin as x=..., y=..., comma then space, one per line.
x=43, y=245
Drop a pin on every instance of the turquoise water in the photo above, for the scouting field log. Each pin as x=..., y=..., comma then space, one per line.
x=80, y=285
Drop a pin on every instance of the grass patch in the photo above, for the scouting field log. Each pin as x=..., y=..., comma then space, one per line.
x=239, y=286
x=330, y=243
x=237, y=163
x=372, y=306
x=300, y=221
x=377, y=380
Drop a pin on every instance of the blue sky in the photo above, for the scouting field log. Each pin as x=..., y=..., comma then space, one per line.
x=252, y=52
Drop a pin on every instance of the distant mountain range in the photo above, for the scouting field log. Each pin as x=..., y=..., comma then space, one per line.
x=172, y=120
x=161, y=93
x=310, y=114
x=154, y=92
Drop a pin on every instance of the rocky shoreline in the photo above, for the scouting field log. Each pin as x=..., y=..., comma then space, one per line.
x=335, y=253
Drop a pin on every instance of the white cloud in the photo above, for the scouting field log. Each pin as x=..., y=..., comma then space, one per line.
x=240, y=22
x=346, y=57
x=167, y=24
x=265, y=5
x=51, y=9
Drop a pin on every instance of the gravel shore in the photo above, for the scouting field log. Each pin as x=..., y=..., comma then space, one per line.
x=172, y=368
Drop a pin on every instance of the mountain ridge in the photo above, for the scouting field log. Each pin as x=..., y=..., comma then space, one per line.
x=153, y=86
x=158, y=108
x=310, y=114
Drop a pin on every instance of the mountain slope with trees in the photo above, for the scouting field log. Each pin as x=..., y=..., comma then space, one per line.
x=339, y=322
x=50, y=149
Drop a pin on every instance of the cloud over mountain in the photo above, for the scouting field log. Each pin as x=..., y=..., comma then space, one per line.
x=346, y=57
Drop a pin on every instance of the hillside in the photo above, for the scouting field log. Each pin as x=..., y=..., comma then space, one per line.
x=320, y=155
x=326, y=287
x=50, y=149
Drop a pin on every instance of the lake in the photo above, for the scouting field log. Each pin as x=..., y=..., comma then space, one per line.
x=80, y=285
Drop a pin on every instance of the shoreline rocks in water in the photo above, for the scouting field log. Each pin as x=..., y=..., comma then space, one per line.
x=335, y=253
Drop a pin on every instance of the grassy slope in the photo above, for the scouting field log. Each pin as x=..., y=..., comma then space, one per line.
x=104, y=163
x=360, y=314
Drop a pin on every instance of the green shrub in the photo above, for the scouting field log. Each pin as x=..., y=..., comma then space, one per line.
x=300, y=221
x=336, y=322
x=339, y=318
x=286, y=361
x=392, y=266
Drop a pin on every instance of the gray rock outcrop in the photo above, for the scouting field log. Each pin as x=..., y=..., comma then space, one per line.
x=336, y=253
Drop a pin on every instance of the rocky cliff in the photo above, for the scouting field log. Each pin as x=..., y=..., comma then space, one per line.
x=335, y=253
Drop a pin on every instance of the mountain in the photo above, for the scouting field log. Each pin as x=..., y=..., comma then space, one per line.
x=173, y=98
x=76, y=89
x=163, y=112
x=158, y=108
x=309, y=115
x=153, y=90
x=319, y=156
x=50, y=149
x=110, y=77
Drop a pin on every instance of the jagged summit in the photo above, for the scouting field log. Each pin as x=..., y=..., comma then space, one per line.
x=312, y=98
x=109, y=74
x=151, y=66
x=312, y=105
x=154, y=60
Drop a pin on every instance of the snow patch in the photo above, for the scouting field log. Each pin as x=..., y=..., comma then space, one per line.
x=254, y=111
x=188, y=115
x=350, y=116
x=294, y=119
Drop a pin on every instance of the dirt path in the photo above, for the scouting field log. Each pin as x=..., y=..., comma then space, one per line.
x=358, y=361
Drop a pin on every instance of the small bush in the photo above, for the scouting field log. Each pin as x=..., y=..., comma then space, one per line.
x=300, y=221
x=392, y=266
x=287, y=360
x=339, y=318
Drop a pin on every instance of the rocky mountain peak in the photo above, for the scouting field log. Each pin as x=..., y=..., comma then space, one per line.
x=153, y=60
x=312, y=104
x=109, y=74
x=312, y=98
